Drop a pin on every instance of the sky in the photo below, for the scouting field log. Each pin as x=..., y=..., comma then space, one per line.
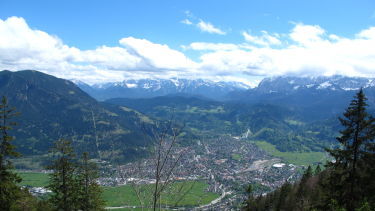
x=239, y=40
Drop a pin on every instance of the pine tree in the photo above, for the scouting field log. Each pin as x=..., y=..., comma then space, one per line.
x=251, y=200
x=318, y=169
x=284, y=191
x=63, y=181
x=302, y=190
x=90, y=193
x=346, y=175
x=9, y=191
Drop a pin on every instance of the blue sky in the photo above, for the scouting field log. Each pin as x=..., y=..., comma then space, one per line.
x=243, y=36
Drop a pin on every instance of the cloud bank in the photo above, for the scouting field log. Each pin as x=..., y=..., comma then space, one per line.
x=307, y=50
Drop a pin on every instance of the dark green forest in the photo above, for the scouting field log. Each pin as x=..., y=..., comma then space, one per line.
x=73, y=181
x=286, y=128
x=346, y=183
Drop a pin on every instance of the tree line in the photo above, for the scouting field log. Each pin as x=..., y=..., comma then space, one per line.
x=348, y=181
x=73, y=180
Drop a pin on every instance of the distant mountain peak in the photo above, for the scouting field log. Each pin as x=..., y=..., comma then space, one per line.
x=145, y=88
x=334, y=83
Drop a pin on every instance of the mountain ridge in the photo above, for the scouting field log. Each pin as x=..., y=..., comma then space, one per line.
x=53, y=108
x=146, y=88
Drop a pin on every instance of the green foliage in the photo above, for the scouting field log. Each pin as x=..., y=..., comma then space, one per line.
x=299, y=196
x=9, y=191
x=347, y=183
x=90, y=191
x=12, y=196
x=318, y=169
x=73, y=184
x=63, y=184
x=30, y=203
x=351, y=177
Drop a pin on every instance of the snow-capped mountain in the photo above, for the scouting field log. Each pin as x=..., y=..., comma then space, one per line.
x=145, y=88
x=295, y=84
x=318, y=96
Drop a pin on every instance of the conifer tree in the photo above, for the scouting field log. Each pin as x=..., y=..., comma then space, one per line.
x=346, y=175
x=284, y=191
x=9, y=191
x=302, y=190
x=90, y=192
x=63, y=182
x=318, y=169
x=249, y=203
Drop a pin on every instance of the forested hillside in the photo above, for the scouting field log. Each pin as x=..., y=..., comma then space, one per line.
x=347, y=181
x=286, y=128
x=53, y=108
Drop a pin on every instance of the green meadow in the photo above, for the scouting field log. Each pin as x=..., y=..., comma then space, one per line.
x=189, y=193
x=298, y=158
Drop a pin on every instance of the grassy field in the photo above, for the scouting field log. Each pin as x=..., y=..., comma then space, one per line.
x=34, y=179
x=125, y=195
x=195, y=194
x=298, y=158
x=236, y=156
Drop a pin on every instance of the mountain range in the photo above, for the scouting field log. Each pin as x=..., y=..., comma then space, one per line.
x=287, y=84
x=147, y=88
x=318, y=97
x=321, y=96
x=292, y=113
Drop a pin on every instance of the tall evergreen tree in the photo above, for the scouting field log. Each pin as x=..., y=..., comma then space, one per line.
x=90, y=193
x=284, y=191
x=63, y=182
x=318, y=169
x=347, y=169
x=9, y=191
x=303, y=189
x=347, y=183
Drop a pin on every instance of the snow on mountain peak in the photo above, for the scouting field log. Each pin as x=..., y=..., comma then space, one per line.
x=324, y=85
x=131, y=85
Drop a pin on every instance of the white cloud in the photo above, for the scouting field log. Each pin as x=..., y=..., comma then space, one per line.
x=307, y=34
x=204, y=46
x=265, y=39
x=202, y=25
x=156, y=56
x=306, y=50
x=24, y=48
x=367, y=33
x=208, y=27
x=187, y=22
x=311, y=52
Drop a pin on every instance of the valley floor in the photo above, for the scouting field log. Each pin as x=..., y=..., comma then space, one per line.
x=218, y=172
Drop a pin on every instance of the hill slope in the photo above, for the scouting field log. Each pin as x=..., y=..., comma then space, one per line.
x=280, y=126
x=52, y=108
